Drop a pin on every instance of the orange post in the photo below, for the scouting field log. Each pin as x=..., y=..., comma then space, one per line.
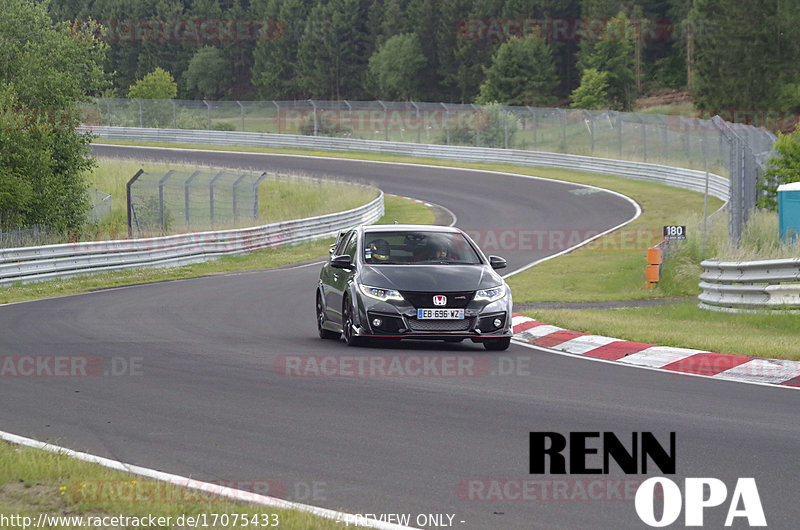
x=653, y=271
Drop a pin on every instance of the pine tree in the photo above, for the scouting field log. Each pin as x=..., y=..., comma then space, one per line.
x=522, y=73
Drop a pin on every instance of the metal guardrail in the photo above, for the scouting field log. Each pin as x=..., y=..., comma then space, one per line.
x=750, y=286
x=684, y=178
x=71, y=259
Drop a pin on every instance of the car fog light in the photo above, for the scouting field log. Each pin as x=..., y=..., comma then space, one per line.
x=377, y=322
x=497, y=322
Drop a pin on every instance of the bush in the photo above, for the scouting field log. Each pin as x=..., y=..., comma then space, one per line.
x=494, y=127
x=324, y=128
x=223, y=126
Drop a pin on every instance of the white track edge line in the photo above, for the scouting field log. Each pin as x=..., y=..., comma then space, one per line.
x=222, y=491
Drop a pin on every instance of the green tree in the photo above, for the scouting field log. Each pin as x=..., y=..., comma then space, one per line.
x=208, y=73
x=396, y=65
x=781, y=169
x=613, y=54
x=151, y=95
x=46, y=68
x=158, y=84
x=275, y=72
x=593, y=92
x=522, y=73
x=744, y=53
x=330, y=55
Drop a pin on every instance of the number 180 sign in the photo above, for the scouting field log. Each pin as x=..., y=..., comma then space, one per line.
x=674, y=232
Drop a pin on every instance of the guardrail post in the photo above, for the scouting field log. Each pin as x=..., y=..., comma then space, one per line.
x=130, y=204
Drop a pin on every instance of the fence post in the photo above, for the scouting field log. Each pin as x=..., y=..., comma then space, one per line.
x=255, y=194
x=208, y=114
x=385, y=121
x=129, y=203
x=277, y=114
x=314, y=107
x=236, y=183
x=186, y=196
x=211, y=196
x=241, y=107
x=161, y=197
x=419, y=123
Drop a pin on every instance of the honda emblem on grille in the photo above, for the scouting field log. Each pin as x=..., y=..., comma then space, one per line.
x=439, y=299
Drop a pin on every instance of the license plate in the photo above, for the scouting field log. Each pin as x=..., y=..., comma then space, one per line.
x=440, y=314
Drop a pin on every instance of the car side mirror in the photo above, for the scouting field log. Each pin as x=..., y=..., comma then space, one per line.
x=342, y=262
x=497, y=262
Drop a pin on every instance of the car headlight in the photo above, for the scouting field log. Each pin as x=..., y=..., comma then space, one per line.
x=381, y=294
x=491, y=295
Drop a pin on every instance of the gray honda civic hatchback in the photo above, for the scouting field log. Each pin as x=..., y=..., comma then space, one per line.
x=392, y=282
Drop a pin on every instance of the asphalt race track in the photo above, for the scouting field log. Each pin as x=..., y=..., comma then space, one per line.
x=208, y=395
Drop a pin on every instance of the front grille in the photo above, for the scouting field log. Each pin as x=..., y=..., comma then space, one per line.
x=439, y=325
x=425, y=299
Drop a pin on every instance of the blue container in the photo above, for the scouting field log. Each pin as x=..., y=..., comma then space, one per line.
x=789, y=211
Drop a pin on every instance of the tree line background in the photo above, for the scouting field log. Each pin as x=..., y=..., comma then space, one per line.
x=730, y=54
x=742, y=54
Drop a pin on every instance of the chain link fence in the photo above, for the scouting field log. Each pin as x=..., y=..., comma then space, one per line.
x=162, y=202
x=735, y=150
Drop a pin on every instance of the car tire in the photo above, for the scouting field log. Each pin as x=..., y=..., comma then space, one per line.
x=497, y=344
x=323, y=333
x=347, y=325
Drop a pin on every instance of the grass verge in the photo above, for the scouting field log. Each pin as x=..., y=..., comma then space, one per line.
x=403, y=210
x=34, y=482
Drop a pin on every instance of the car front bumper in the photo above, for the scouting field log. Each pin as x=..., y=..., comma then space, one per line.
x=399, y=320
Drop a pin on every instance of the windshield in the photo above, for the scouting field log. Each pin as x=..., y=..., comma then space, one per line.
x=418, y=248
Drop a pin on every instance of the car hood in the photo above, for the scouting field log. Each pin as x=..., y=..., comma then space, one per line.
x=442, y=278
